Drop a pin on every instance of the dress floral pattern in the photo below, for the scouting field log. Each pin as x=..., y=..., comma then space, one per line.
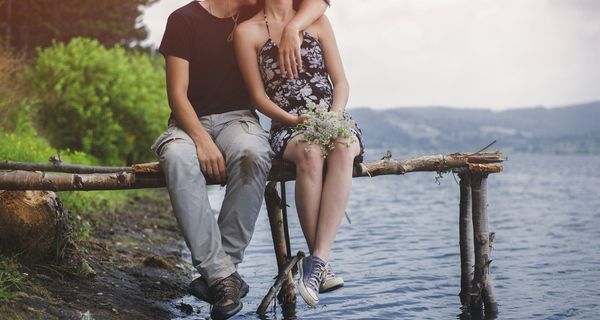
x=312, y=85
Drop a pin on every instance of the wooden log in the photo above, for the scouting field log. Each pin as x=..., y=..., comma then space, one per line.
x=467, y=253
x=37, y=180
x=33, y=225
x=273, y=204
x=434, y=163
x=483, y=290
x=150, y=175
x=59, y=166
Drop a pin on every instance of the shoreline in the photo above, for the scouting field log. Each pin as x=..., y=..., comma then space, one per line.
x=137, y=255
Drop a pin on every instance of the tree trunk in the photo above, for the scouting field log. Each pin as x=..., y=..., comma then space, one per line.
x=33, y=224
x=8, y=22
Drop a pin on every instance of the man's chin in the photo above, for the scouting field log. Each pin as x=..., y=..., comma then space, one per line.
x=249, y=3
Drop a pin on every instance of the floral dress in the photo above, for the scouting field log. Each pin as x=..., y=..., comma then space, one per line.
x=311, y=87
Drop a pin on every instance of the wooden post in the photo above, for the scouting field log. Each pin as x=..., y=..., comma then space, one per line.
x=467, y=253
x=273, y=203
x=482, y=281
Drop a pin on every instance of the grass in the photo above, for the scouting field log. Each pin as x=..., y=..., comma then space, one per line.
x=11, y=278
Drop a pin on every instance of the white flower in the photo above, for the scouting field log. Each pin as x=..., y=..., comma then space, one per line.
x=306, y=91
x=324, y=127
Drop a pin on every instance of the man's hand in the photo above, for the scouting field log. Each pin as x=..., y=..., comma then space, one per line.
x=211, y=161
x=289, y=59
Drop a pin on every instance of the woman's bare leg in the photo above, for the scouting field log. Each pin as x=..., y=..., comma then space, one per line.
x=309, y=183
x=334, y=196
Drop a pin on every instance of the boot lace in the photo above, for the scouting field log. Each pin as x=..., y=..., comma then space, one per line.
x=227, y=291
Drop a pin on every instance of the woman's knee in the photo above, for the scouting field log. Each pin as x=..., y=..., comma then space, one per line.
x=309, y=160
x=343, y=153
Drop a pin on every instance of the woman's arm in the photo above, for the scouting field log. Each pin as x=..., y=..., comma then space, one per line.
x=333, y=61
x=211, y=160
x=289, y=59
x=245, y=49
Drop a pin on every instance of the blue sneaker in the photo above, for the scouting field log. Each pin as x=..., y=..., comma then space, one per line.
x=312, y=270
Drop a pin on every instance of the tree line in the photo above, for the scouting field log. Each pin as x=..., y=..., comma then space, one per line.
x=27, y=24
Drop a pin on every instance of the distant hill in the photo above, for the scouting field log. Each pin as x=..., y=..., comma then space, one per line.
x=572, y=129
x=418, y=130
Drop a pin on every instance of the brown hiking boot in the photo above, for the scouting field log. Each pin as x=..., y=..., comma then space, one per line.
x=227, y=294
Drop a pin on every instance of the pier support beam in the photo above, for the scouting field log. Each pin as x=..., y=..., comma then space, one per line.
x=288, y=292
x=483, y=289
x=467, y=249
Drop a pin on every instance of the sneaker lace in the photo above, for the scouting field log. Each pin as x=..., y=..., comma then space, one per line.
x=316, y=277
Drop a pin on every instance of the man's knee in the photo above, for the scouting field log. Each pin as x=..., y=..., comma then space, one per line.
x=178, y=153
x=251, y=162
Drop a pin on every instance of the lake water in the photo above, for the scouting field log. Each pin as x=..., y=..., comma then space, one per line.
x=400, y=258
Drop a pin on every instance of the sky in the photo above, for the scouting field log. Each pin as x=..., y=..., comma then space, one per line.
x=496, y=54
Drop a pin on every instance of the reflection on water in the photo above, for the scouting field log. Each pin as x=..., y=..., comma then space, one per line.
x=400, y=256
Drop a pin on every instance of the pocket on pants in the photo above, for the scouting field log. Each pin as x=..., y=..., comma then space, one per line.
x=253, y=127
x=171, y=134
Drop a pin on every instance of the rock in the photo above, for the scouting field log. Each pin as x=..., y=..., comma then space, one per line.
x=86, y=270
x=187, y=308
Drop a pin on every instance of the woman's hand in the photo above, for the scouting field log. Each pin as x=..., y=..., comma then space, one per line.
x=301, y=118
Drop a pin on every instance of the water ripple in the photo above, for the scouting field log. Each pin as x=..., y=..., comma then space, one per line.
x=400, y=256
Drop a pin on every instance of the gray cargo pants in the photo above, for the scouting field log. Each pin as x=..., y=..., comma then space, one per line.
x=217, y=246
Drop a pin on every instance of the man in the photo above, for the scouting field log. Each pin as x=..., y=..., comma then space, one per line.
x=214, y=135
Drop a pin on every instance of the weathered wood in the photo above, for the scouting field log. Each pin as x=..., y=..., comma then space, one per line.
x=467, y=253
x=149, y=175
x=33, y=224
x=37, y=180
x=59, y=166
x=483, y=290
x=273, y=204
x=262, y=308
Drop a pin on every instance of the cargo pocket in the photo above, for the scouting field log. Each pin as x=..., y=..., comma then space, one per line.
x=171, y=134
x=253, y=127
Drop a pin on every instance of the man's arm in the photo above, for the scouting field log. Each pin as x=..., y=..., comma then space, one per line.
x=289, y=46
x=210, y=158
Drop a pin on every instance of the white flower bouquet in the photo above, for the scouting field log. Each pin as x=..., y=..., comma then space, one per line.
x=324, y=127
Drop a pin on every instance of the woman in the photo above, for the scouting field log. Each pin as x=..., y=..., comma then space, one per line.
x=321, y=200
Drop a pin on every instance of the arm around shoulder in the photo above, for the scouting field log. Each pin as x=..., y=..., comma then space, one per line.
x=333, y=60
x=246, y=41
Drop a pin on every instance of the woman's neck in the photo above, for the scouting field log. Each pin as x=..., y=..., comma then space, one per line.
x=279, y=10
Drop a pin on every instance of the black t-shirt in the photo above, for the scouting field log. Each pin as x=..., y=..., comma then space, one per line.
x=215, y=84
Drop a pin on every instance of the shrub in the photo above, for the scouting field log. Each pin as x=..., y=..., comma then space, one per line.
x=109, y=103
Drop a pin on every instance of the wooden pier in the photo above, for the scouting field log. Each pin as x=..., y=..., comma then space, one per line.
x=476, y=241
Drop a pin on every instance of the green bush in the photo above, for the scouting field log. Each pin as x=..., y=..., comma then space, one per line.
x=27, y=146
x=109, y=103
